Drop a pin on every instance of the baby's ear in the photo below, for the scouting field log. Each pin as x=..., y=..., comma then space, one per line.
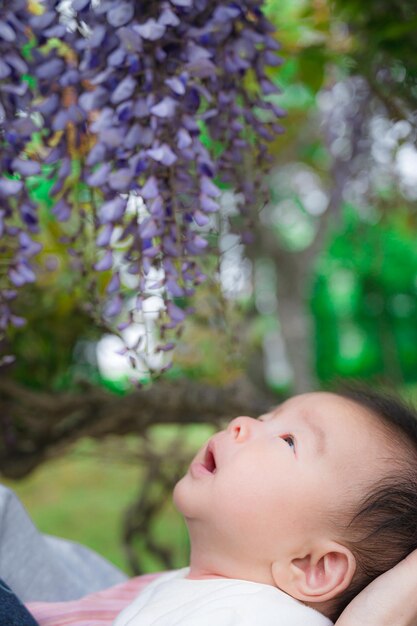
x=318, y=576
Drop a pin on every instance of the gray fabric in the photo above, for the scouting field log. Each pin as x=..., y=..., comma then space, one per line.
x=41, y=567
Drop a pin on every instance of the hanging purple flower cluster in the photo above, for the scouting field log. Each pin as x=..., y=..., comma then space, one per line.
x=128, y=97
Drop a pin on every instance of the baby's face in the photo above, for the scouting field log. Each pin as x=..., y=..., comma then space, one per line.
x=265, y=488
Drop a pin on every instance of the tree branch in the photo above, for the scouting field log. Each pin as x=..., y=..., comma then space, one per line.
x=38, y=425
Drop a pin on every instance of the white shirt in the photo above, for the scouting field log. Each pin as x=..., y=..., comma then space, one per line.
x=173, y=600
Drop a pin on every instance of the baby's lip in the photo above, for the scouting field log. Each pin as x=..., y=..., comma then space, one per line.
x=209, y=460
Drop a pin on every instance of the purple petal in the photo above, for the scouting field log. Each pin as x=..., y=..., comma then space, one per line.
x=62, y=210
x=117, y=57
x=71, y=77
x=111, y=137
x=176, y=314
x=114, y=284
x=16, y=278
x=6, y=32
x=166, y=347
x=130, y=39
x=96, y=154
x=9, y=294
x=168, y=18
x=16, y=62
x=224, y=14
x=133, y=136
x=29, y=247
x=207, y=204
x=150, y=189
x=113, y=307
x=26, y=273
x=97, y=36
x=268, y=87
x=120, y=15
x=80, y=5
x=149, y=229
x=196, y=245
x=100, y=176
x=165, y=108
x=279, y=111
x=120, y=180
x=192, y=100
x=200, y=219
x=163, y=155
x=96, y=99
x=209, y=188
x=24, y=126
x=53, y=156
x=112, y=210
x=272, y=59
x=151, y=252
x=173, y=288
x=28, y=213
x=9, y=187
x=40, y=22
x=245, y=51
x=7, y=359
x=50, y=70
x=141, y=108
x=202, y=69
x=191, y=125
x=58, y=31
x=176, y=84
x=146, y=136
x=49, y=105
x=5, y=70
x=105, y=262
x=104, y=120
x=57, y=187
x=124, y=90
x=195, y=53
x=138, y=163
x=170, y=247
x=17, y=322
x=104, y=237
x=60, y=120
x=65, y=169
x=150, y=30
x=157, y=207
x=182, y=3
x=183, y=139
x=26, y=167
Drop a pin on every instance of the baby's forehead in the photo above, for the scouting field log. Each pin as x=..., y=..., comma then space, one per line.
x=329, y=409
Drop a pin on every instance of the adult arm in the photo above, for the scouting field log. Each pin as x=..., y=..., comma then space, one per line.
x=41, y=567
x=390, y=600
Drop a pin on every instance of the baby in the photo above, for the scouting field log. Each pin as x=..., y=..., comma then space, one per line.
x=291, y=515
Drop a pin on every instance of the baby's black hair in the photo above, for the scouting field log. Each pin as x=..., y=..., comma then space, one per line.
x=384, y=527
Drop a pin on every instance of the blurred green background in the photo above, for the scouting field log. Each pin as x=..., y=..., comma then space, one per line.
x=328, y=291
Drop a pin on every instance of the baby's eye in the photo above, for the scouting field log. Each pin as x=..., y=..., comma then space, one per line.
x=290, y=440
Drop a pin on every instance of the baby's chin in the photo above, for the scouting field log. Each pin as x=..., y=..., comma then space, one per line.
x=178, y=496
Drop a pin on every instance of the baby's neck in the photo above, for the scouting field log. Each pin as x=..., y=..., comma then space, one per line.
x=203, y=575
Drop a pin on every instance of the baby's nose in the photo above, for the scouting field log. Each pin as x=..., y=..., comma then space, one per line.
x=241, y=428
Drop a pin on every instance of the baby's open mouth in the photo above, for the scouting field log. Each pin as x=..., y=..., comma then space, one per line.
x=209, y=460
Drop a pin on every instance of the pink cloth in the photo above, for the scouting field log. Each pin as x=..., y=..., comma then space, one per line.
x=96, y=609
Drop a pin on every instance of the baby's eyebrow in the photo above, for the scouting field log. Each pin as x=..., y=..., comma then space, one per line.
x=318, y=432
x=319, y=435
